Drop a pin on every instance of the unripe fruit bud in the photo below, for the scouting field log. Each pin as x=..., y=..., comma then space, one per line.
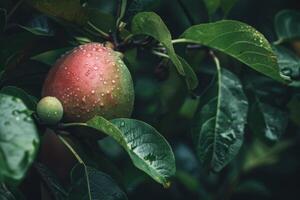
x=50, y=110
x=91, y=80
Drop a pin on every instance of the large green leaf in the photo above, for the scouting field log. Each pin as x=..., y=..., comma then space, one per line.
x=88, y=183
x=69, y=10
x=19, y=140
x=240, y=41
x=287, y=25
x=149, y=23
x=28, y=100
x=148, y=150
x=219, y=123
x=289, y=63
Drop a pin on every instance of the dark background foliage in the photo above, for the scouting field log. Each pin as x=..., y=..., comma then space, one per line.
x=266, y=167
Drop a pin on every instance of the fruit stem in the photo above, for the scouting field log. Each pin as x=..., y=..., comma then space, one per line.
x=102, y=33
x=71, y=149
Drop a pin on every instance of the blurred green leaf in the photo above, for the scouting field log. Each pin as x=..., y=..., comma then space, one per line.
x=259, y=154
x=51, y=182
x=149, y=23
x=212, y=6
x=50, y=57
x=240, y=41
x=148, y=150
x=219, y=124
x=289, y=64
x=294, y=107
x=29, y=100
x=266, y=120
x=69, y=10
x=226, y=5
x=287, y=25
x=19, y=139
x=250, y=187
x=89, y=183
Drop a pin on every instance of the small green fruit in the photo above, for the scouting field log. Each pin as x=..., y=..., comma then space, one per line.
x=50, y=110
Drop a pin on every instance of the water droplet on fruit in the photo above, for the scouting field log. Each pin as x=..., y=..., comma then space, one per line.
x=93, y=91
x=83, y=98
x=89, y=55
x=96, y=57
x=104, y=82
x=101, y=104
x=95, y=68
x=107, y=92
x=102, y=94
x=113, y=81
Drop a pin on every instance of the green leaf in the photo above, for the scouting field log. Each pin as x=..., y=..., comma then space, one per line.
x=226, y=5
x=219, y=124
x=287, y=25
x=39, y=26
x=19, y=139
x=51, y=181
x=268, y=121
x=148, y=150
x=289, y=64
x=190, y=76
x=5, y=194
x=69, y=10
x=212, y=6
x=103, y=21
x=89, y=183
x=149, y=23
x=29, y=100
x=50, y=57
x=240, y=41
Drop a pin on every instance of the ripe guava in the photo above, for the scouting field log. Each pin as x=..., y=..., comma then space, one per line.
x=91, y=80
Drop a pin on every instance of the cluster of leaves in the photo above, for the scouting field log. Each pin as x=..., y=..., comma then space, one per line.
x=216, y=80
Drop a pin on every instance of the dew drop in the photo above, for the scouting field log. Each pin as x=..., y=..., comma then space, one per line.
x=102, y=94
x=101, y=104
x=93, y=91
x=113, y=81
x=104, y=82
